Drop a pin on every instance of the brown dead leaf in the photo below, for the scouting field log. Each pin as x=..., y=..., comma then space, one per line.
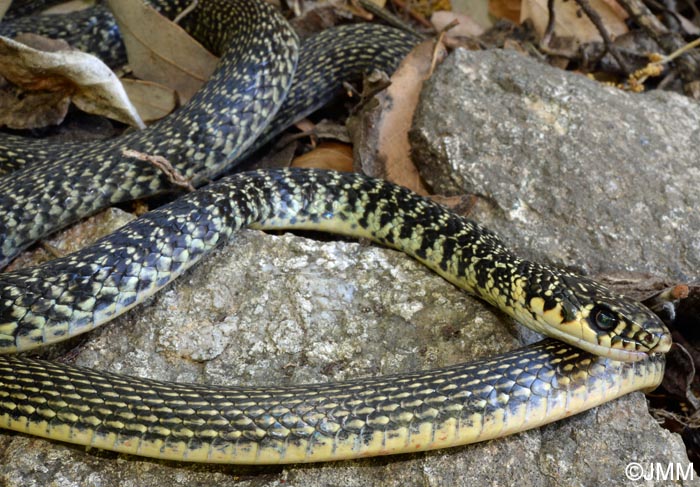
x=332, y=130
x=316, y=19
x=304, y=125
x=4, y=5
x=505, y=9
x=356, y=8
x=18, y=111
x=81, y=77
x=406, y=85
x=69, y=6
x=328, y=155
x=73, y=238
x=381, y=136
x=160, y=50
x=427, y=7
x=466, y=27
x=41, y=43
x=616, y=8
x=570, y=22
x=153, y=101
x=688, y=25
x=460, y=204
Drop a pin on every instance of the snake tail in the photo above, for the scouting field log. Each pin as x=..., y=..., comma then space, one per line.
x=404, y=413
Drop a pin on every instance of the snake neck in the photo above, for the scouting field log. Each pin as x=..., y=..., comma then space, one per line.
x=548, y=300
x=125, y=268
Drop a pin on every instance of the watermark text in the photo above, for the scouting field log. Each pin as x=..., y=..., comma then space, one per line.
x=657, y=471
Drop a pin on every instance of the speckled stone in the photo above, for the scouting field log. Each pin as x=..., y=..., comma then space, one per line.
x=283, y=310
x=574, y=171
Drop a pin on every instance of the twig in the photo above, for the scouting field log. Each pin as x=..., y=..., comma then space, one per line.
x=689, y=65
x=438, y=44
x=655, y=67
x=667, y=8
x=682, y=50
x=693, y=7
x=186, y=11
x=689, y=395
x=415, y=15
x=376, y=82
x=598, y=23
x=161, y=163
x=54, y=251
x=549, y=31
x=358, y=9
x=688, y=421
x=387, y=16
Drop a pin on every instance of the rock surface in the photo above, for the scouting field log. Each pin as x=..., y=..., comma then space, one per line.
x=286, y=309
x=587, y=175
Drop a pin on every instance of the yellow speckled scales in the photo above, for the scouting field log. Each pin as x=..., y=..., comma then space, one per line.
x=403, y=413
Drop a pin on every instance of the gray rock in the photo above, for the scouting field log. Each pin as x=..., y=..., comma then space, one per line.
x=283, y=310
x=574, y=171
x=288, y=310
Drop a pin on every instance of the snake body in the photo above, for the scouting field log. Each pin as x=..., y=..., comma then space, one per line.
x=620, y=343
x=91, y=30
x=54, y=185
x=440, y=408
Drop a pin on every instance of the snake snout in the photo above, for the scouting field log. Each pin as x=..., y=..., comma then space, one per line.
x=659, y=342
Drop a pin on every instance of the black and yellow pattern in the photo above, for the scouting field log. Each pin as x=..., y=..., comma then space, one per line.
x=623, y=340
x=388, y=415
x=457, y=405
x=249, y=99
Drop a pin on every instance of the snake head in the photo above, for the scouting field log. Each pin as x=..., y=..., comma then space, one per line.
x=586, y=314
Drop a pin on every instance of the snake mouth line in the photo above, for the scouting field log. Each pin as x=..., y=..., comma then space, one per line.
x=618, y=354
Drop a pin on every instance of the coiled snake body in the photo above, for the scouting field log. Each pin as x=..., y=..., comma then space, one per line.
x=409, y=412
x=246, y=102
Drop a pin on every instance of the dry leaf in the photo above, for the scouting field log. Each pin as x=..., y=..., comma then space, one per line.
x=4, y=5
x=381, y=142
x=356, y=8
x=69, y=6
x=688, y=25
x=427, y=7
x=41, y=43
x=160, y=50
x=153, y=101
x=466, y=27
x=82, y=77
x=304, y=125
x=73, y=238
x=406, y=84
x=570, y=22
x=616, y=8
x=328, y=155
x=18, y=111
x=505, y=9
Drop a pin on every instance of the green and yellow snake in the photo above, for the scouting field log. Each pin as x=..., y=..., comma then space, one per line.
x=606, y=345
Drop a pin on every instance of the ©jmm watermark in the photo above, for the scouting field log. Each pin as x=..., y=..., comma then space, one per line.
x=657, y=471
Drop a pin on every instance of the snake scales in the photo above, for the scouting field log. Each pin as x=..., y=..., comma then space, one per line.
x=245, y=103
x=424, y=410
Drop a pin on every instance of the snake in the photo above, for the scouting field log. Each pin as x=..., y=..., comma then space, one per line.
x=603, y=344
x=245, y=103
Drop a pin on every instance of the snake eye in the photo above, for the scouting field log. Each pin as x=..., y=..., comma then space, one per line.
x=604, y=319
